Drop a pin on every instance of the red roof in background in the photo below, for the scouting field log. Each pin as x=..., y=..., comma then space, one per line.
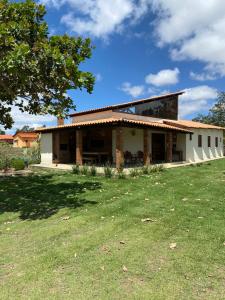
x=31, y=135
x=6, y=137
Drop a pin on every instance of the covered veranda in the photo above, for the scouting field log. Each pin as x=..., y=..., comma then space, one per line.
x=114, y=142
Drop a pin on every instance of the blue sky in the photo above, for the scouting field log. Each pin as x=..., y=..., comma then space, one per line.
x=145, y=48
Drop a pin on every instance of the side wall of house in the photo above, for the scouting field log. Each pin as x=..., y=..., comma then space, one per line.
x=181, y=144
x=194, y=153
x=46, y=148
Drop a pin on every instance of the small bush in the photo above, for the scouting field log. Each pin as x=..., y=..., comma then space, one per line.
x=84, y=170
x=93, y=171
x=18, y=164
x=121, y=174
x=145, y=170
x=156, y=168
x=76, y=169
x=108, y=171
x=134, y=172
x=160, y=168
x=199, y=164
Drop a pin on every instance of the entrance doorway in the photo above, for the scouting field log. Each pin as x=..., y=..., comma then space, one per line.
x=158, y=147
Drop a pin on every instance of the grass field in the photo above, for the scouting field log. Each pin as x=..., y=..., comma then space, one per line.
x=65, y=236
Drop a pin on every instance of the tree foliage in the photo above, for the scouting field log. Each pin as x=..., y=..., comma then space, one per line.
x=25, y=128
x=216, y=114
x=36, y=70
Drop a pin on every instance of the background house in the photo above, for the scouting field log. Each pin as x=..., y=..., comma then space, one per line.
x=24, y=139
x=6, y=138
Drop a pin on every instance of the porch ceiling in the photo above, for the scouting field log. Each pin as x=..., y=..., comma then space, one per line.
x=115, y=122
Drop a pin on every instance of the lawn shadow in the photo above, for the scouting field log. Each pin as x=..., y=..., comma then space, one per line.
x=39, y=196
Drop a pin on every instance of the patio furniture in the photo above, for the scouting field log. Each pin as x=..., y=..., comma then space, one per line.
x=95, y=157
x=140, y=157
x=177, y=155
x=128, y=157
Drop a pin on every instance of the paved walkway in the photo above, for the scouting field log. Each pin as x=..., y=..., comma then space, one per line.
x=126, y=170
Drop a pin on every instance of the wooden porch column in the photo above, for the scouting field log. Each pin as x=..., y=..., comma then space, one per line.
x=146, y=145
x=169, y=146
x=119, y=147
x=79, y=147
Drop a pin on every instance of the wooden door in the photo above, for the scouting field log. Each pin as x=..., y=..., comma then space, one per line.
x=158, y=147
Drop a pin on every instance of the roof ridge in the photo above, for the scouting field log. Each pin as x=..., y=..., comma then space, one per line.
x=126, y=103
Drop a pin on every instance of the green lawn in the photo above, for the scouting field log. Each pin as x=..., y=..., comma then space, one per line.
x=65, y=236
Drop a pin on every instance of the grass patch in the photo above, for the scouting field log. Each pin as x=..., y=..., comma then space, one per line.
x=96, y=238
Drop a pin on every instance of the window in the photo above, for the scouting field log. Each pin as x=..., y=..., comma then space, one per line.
x=190, y=137
x=199, y=140
x=161, y=108
x=209, y=141
x=216, y=141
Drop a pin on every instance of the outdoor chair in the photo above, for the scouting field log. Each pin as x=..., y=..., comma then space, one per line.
x=127, y=157
x=140, y=157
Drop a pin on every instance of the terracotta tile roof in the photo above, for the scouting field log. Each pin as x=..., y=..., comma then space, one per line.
x=31, y=135
x=6, y=137
x=115, y=121
x=125, y=104
x=191, y=124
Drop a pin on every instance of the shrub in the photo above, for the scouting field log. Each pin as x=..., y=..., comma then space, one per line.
x=156, y=168
x=199, y=164
x=33, y=155
x=5, y=163
x=76, y=169
x=84, y=170
x=121, y=174
x=134, y=172
x=108, y=171
x=18, y=164
x=160, y=168
x=1, y=165
x=93, y=171
x=145, y=170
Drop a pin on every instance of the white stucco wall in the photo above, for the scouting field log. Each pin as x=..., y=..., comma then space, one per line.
x=181, y=144
x=46, y=148
x=132, y=141
x=195, y=153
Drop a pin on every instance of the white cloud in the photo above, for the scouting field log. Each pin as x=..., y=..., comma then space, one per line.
x=202, y=76
x=196, y=100
x=163, y=77
x=100, y=18
x=33, y=121
x=134, y=91
x=194, y=29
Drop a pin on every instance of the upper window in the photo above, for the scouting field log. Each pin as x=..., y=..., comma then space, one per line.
x=216, y=141
x=163, y=108
x=190, y=137
x=209, y=141
x=199, y=140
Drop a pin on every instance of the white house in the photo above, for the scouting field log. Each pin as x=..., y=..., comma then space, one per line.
x=140, y=132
